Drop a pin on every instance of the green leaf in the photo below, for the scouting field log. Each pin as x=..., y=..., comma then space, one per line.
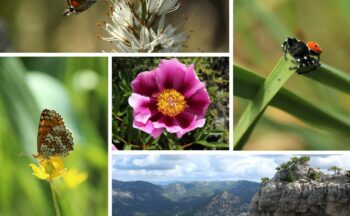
x=247, y=85
x=331, y=77
x=127, y=147
x=212, y=144
x=273, y=83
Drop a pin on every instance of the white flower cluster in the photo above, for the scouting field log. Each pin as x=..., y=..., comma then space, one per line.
x=139, y=26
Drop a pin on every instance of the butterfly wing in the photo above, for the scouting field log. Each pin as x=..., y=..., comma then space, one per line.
x=54, y=139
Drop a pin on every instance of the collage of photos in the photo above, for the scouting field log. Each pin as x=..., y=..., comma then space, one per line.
x=174, y=108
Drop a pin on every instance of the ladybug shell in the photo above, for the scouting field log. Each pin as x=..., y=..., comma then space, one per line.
x=314, y=47
x=80, y=5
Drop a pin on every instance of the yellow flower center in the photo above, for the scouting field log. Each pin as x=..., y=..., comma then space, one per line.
x=49, y=167
x=171, y=102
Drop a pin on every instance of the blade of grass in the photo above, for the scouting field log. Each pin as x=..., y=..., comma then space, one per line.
x=313, y=139
x=273, y=83
x=331, y=77
x=19, y=103
x=247, y=85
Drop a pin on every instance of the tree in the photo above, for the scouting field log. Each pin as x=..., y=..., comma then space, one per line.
x=335, y=169
x=304, y=159
x=264, y=180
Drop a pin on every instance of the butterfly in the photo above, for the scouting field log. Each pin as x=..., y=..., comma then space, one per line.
x=77, y=6
x=54, y=139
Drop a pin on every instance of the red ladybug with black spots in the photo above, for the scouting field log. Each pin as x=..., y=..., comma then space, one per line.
x=77, y=6
x=306, y=56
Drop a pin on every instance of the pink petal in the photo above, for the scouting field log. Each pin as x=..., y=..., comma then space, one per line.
x=164, y=122
x=170, y=74
x=191, y=83
x=145, y=83
x=141, y=106
x=148, y=128
x=183, y=120
x=199, y=102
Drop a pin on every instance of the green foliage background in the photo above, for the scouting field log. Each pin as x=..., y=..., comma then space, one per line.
x=76, y=88
x=214, y=135
x=259, y=30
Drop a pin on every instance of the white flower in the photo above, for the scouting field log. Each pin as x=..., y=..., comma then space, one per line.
x=139, y=26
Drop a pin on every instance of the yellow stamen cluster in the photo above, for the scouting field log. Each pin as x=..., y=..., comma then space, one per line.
x=171, y=102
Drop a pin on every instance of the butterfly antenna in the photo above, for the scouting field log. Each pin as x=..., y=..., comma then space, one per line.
x=21, y=154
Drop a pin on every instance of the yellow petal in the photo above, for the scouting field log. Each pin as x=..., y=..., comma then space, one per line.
x=49, y=168
x=73, y=178
x=39, y=172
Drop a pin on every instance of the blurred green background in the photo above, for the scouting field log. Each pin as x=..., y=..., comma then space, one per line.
x=38, y=26
x=260, y=27
x=213, y=71
x=77, y=89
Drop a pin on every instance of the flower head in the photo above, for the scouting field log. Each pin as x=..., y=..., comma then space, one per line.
x=169, y=97
x=139, y=26
x=49, y=168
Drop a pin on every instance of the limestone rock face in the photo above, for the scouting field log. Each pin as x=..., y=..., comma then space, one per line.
x=328, y=195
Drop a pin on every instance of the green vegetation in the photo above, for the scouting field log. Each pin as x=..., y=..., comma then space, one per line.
x=302, y=160
x=264, y=180
x=289, y=166
x=77, y=89
x=335, y=169
x=314, y=175
x=299, y=122
x=291, y=176
x=214, y=135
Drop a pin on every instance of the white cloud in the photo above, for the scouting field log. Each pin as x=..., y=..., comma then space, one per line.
x=147, y=161
x=169, y=168
x=324, y=162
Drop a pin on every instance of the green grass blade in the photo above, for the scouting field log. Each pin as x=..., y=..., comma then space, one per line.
x=247, y=85
x=332, y=77
x=18, y=101
x=273, y=83
x=313, y=139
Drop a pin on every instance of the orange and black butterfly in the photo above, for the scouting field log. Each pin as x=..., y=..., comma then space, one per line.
x=77, y=6
x=54, y=139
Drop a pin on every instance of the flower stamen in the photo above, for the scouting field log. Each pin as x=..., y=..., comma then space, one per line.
x=171, y=102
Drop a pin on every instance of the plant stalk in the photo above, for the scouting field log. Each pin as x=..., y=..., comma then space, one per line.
x=57, y=209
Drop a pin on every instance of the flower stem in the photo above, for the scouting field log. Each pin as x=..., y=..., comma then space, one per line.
x=57, y=209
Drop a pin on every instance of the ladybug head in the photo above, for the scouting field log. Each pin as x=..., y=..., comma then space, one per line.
x=314, y=48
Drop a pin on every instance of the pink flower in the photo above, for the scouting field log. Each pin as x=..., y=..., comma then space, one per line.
x=169, y=97
x=114, y=148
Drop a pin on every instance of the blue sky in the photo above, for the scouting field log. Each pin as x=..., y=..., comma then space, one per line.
x=167, y=168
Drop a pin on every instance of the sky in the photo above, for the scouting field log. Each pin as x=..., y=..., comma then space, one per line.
x=167, y=168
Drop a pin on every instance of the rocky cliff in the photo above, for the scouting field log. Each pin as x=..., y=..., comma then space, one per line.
x=302, y=190
x=224, y=204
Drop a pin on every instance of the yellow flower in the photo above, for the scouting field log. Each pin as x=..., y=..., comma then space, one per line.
x=72, y=178
x=49, y=168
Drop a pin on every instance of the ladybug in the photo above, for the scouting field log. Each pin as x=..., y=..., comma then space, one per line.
x=77, y=6
x=306, y=56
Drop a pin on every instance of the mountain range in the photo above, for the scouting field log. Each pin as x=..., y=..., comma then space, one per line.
x=199, y=198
